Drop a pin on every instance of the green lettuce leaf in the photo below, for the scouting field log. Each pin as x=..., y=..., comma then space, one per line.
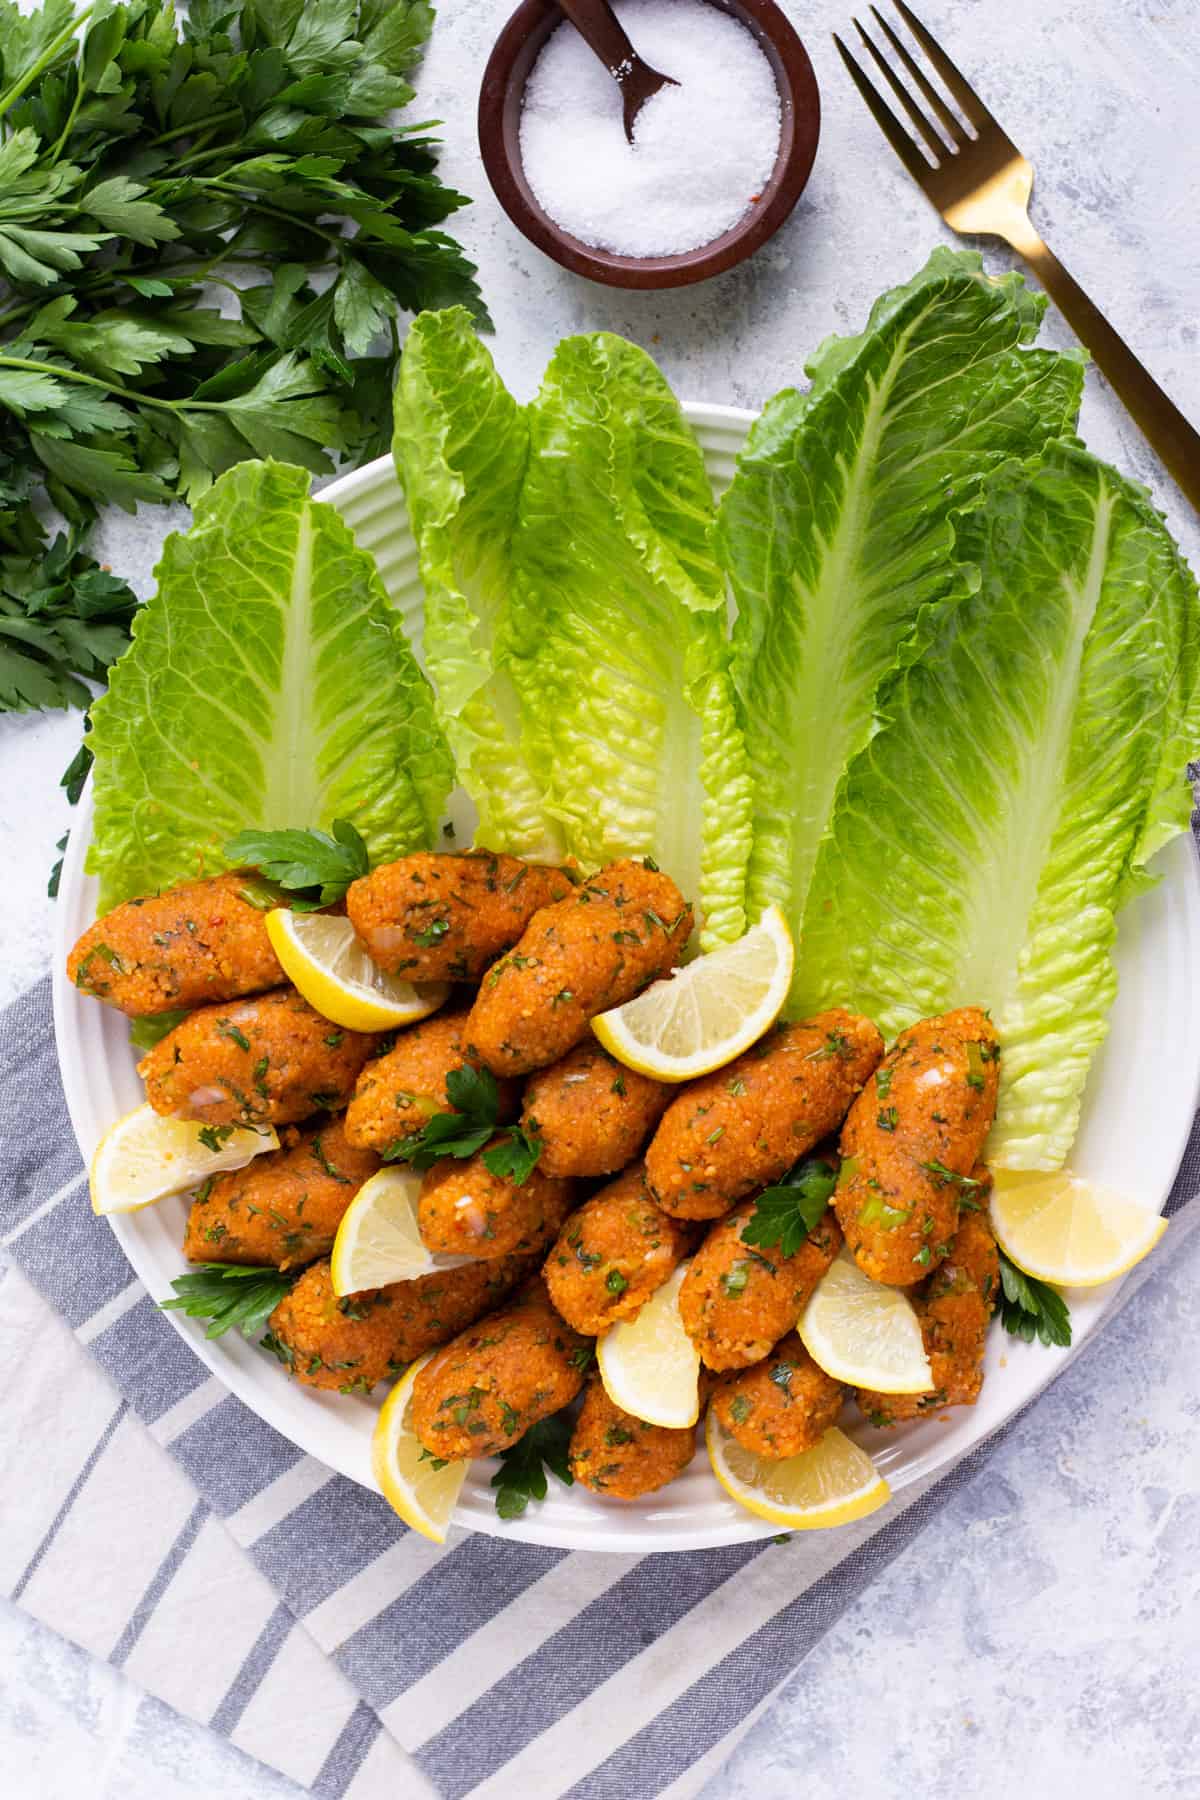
x=575, y=614
x=837, y=534
x=268, y=685
x=615, y=636
x=986, y=835
x=461, y=445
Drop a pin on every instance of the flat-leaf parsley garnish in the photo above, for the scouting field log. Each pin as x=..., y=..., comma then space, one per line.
x=314, y=867
x=229, y=1294
x=784, y=1214
x=1030, y=1308
x=476, y=1101
x=521, y=1476
x=515, y=1156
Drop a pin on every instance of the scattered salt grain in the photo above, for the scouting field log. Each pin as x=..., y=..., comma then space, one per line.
x=702, y=151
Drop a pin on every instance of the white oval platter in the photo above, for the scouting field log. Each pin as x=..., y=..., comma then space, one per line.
x=1138, y=1112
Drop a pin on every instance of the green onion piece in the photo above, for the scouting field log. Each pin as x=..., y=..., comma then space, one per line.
x=878, y=1212
x=975, y=1065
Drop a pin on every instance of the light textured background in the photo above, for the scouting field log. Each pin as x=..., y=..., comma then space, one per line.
x=1046, y=1628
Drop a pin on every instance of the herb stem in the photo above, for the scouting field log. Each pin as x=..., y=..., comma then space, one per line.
x=77, y=375
x=198, y=126
x=111, y=387
x=252, y=201
x=99, y=281
x=202, y=151
x=69, y=127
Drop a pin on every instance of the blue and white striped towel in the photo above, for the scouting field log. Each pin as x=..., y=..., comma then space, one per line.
x=166, y=1528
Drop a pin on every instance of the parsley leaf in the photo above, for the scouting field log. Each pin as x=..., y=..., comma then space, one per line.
x=230, y=1294
x=1030, y=1308
x=63, y=621
x=446, y=1134
x=475, y=1098
x=313, y=866
x=785, y=1213
x=522, y=1474
x=213, y=1137
x=515, y=1156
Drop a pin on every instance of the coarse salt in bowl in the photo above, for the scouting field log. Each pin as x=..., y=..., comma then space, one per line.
x=702, y=151
x=717, y=162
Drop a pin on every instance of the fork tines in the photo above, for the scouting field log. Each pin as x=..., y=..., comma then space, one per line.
x=944, y=133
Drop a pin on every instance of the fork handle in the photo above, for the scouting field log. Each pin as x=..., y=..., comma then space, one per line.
x=1169, y=434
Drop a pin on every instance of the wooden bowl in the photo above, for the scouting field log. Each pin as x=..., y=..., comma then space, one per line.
x=502, y=96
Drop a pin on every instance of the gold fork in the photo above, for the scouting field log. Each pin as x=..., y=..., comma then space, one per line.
x=980, y=183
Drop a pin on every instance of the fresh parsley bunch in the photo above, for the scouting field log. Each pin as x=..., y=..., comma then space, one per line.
x=148, y=169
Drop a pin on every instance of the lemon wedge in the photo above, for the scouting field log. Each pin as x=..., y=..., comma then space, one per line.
x=708, y=1012
x=378, y=1242
x=323, y=958
x=864, y=1333
x=832, y=1484
x=1069, y=1230
x=421, y=1488
x=145, y=1156
x=649, y=1365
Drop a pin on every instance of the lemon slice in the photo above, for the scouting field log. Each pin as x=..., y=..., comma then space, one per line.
x=146, y=1156
x=649, y=1365
x=708, y=1012
x=423, y=1490
x=864, y=1333
x=378, y=1242
x=323, y=958
x=1069, y=1230
x=832, y=1484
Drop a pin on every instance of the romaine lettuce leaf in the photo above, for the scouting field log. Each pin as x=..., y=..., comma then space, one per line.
x=269, y=685
x=615, y=637
x=461, y=445
x=985, y=836
x=575, y=613
x=836, y=530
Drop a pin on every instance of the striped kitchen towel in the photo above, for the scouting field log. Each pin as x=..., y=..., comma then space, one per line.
x=168, y=1529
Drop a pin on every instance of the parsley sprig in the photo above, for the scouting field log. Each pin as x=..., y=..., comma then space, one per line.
x=229, y=1294
x=784, y=1214
x=314, y=867
x=1030, y=1308
x=521, y=1476
x=475, y=1098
